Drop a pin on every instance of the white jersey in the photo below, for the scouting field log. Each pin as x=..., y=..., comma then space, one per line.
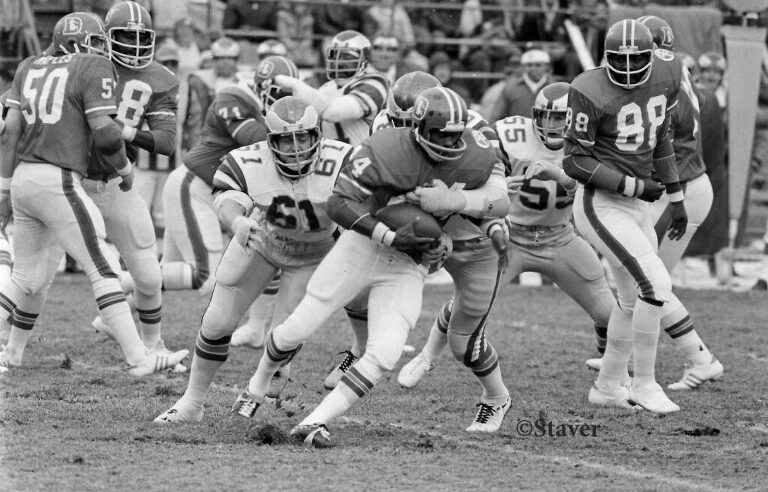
x=544, y=203
x=458, y=227
x=295, y=209
x=370, y=89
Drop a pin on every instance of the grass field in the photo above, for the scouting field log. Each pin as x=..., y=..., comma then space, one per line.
x=86, y=424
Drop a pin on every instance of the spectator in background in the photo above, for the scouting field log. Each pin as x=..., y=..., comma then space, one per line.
x=387, y=57
x=295, y=29
x=250, y=14
x=271, y=47
x=519, y=93
x=331, y=19
x=442, y=67
x=711, y=75
x=543, y=26
x=439, y=23
x=185, y=37
x=492, y=56
x=492, y=95
x=391, y=18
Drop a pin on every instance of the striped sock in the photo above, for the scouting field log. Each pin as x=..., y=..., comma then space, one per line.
x=678, y=324
x=645, y=335
x=601, y=334
x=358, y=381
x=149, y=322
x=617, y=349
x=438, y=333
x=209, y=356
x=115, y=312
x=271, y=360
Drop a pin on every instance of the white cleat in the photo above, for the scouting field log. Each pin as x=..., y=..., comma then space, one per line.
x=695, y=375
x=595, y=364
x=489, y=417
x=278, y=381
x=333, y=377
x=652, y=398
x=157, y=361
x=246, y=405
x=248, y=336
x=411, y=373
x=8, y=358
x=408, y=349
x=159, y=346
x=179, y=414
x=616, y=397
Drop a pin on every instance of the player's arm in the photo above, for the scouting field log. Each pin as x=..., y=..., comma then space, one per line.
x=232, y=203
x=9, y=139
x=108, y=140
x=241, y=122
x=161, y=119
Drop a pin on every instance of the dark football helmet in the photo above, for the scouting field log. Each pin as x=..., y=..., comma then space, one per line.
x=290, y=117
x=346, y=56
x=548, y=114
x=660, y=30
x=403, y=95
x=628, y=53
x=440, y=117
x=264, y=78
x=129, y=29
x=80, y=32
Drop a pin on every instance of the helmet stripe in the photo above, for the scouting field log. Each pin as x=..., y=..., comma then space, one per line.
x=451, y=104
x=624, y=32
x=633, y=32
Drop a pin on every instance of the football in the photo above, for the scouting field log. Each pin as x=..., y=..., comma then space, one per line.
x=401, y=214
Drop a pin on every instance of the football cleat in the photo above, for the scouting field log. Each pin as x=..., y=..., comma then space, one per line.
x=652, y=398
x=618, y=397
x=278, y=381
x=316, y=435
x=411, y=373
x=489, y=417
x=246, y=405
x=157, y=361
x=695, y=375
x=333, y=377
x=9, y=358
x=248, y=335
x=159, y=346
x=179, y=414
x=595, y=364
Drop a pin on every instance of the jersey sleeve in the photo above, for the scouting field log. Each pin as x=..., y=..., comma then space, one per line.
x=359, y=177
x=229, y=181
x=240, y=119
x=14, y=95
x=371, y=90
x=97, y=80
x=582, y=122
x=162, y=112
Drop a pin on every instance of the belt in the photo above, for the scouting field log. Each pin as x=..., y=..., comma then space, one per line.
x=102, y=177
x=536, y=227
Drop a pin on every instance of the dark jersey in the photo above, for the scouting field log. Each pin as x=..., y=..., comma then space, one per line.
x=391, y=163
x=56, y=96
x=621, y=128
x=234, y=119
x=150, y=96
x=685, y=129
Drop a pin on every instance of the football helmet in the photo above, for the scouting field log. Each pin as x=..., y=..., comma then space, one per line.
x=290, y=117
x=548, y=114
x=264, y=78
x=225, y=47
x=80, y=32
x=440, y=117
x=404, y=92
x=711, y=60
x=660, y=30
x=129, y=29
x=628, y=53
x=346, y=56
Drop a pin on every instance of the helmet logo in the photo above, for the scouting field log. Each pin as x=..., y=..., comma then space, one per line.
x=265, y=68
x=74, y=25
x=420, y=107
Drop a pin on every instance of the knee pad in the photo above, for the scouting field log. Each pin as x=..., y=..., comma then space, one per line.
x=474, y=352
x=657, y=284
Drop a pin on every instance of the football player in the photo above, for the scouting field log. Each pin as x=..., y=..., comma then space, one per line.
x=390, y=264
x=686, y=135
x=272, y=196
x=473, y=265
x=541, y=236
x=347, y=105
x=70, y=93
x=146, y=92
x=617, y=134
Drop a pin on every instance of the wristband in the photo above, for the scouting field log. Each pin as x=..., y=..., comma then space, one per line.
x=128, y=133
x=676, y=197
x=5, y=184
x=125, y=170
x=383, y=234
x=493, y=228
x=630, y=186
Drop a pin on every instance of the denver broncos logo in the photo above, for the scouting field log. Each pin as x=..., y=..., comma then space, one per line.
x=265, y=68
x=73, y=25
x=665, y=55
x=420, y=107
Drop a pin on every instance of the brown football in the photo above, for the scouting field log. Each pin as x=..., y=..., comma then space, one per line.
x=401, y=214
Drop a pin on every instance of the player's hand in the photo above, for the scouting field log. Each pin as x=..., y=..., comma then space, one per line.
x=437, y=199
x=679, y=221
x=5, y=209
x=438, y=251
x=544, y=171
x=245, y=230
x=652, y=190
x=285, y=82
x=406, y=238
x=514, y=183
x=500, y=242
x=127, y=181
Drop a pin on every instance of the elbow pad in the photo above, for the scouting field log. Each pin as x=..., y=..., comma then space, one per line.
x=108, y=139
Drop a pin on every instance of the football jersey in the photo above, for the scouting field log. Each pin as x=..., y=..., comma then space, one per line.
x=233, y=109
x=371, y=90
x=619, y=127
x=686, y=131
x=538, y=202
x=391, y=163
x=56, y=95
x=294, y=208
x=147, y=95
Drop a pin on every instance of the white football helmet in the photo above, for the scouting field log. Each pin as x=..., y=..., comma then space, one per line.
x=548, y=114
x=346, y=56
x=290, y=117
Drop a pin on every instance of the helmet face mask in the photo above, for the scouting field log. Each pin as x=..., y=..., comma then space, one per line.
x=403, y=95
x=80, y=32
x=548, y=114
x=628, y=53
x=129, y=28
x=346, y=56
x=294, y=136
x=440, y=118
x=264, y=79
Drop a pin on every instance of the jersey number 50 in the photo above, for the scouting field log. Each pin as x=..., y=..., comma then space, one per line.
x=46, y=101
